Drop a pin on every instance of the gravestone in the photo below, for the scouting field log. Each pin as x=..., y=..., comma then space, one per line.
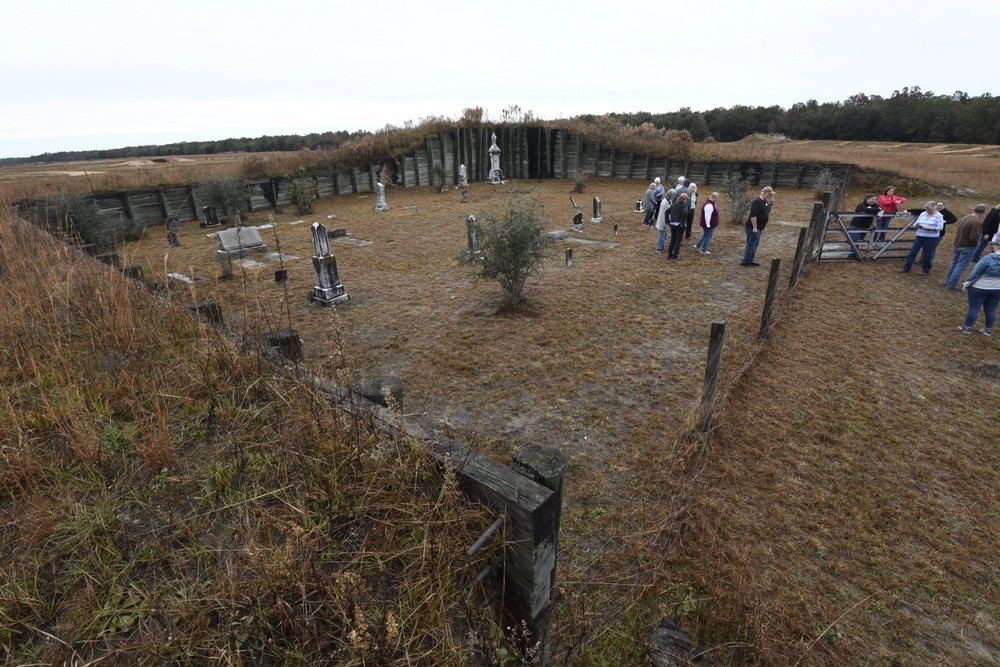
x=284, y=342
x=638, y=206
x=578, y=222
x=473, y=254
x=495, y=175
x=109, y=258
x=237, y=242
x=465, y=196
x=380, y=204
x=173, y=227
x=211, y=216
x=597, y=210
x=336, y=232
x=328, y=290
x=463, y=177
x=573, y=202
x=209, y=311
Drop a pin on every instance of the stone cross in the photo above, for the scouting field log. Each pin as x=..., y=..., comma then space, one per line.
x=463, y=176
x=380, y=204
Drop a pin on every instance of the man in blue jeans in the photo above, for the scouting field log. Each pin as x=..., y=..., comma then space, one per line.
x=928, y=225
x=760, y=211
x=967, y=234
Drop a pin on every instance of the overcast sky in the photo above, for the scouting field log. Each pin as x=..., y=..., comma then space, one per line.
x=113, y=73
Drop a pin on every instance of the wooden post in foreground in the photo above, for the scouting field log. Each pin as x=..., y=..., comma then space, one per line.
x=772, y=290
x=797, y=262
x=711, y=376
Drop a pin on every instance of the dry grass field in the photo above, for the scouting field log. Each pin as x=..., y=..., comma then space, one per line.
x=843, y=510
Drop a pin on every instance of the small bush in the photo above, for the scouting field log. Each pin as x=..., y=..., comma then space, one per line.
x=825, y=181
x=76, y=214
x=580, y=180
x=303, y=192
x=680, y=145
x=228, y=194
x=513, y=243
x=738, y=195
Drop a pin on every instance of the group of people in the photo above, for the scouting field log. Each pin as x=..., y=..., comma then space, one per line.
x=973, y=233
x=674, y=211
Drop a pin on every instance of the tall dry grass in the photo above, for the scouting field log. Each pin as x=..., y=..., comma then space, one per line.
x=171, y=497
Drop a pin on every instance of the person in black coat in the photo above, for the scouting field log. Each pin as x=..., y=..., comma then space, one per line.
x=991, y=225
x=868, y=208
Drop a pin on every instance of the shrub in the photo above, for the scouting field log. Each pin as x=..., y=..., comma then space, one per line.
x=77, y=214
x=580, y=180
x=513, y=243
x=738, y=195
x=679, y=144
x=303, y=192
x=228, y=194
x=825, y=181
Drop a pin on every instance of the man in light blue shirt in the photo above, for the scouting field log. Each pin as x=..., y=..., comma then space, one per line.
x=928, y=225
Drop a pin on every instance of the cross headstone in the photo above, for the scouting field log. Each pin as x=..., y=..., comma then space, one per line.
x=380, y=204
x=473, y=254
x=328, y=290
x=463, y=176
x=597, y=210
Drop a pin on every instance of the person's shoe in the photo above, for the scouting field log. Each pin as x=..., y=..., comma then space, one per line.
x=659, y=252
x=986, y=332
x=950, y=288
x=904, y=270
x=924, y=273
x=705, y=252
x=965, y=330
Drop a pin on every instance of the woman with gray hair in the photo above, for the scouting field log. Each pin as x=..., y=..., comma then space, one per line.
x=984, y=291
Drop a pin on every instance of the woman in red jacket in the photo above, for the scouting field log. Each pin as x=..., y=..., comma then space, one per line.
x=889, y=203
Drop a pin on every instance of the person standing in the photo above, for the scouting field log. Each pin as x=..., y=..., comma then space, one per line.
x=991, y=225
x=678, y=216
x=889, y=203
x=709, y=221
x=692, y=208
x=867, y=210
x=760, y=212
x=650, y=203
x=663, y=220
x=928, y=225
x=967, y=235
x=984, y=291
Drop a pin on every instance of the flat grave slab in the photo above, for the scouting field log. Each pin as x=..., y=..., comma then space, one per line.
x=350, y=241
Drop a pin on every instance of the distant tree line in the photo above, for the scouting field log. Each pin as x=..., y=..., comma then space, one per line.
x=909, y=115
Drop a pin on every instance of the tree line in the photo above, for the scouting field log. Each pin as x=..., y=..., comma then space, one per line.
x=908, y=115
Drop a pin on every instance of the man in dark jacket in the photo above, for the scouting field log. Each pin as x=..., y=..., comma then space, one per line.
x=868, y=209
x=967, y=235
x=760, y=211
x=991, y=224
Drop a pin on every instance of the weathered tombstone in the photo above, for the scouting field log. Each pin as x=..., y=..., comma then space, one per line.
x=109, y=258
x=638, y=206
x=463, y=176
x=328, y=290
x=211, y=216
x=134, y=271
x=380, y=204
x=209, y=311
x=465, y=196
x=284, y=342
x=281, y=276
x=578, y=222
x=597, y=210
x=473, y=254
x=172, y=228
x=569, y=257
x=495, y=175
x=337, y=232
x=238, y=241
x=573, y=202
x=374, y=388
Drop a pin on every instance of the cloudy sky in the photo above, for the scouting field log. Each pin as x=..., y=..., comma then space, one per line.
x=113, y=73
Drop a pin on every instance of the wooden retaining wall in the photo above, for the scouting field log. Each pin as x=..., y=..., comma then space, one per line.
x=526, y=153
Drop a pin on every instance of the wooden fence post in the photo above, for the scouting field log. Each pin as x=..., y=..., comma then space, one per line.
x=772, y=289
x=711, y=383
x=797, y=262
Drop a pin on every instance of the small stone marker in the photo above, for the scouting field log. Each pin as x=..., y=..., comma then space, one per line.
x=374, y=388
x=283, y=342
x=239, y=241
x=558, y=234
x=328, y=290
x=463, y=179
x=472, y=254
x=569, y=257
x=465, y=195
x=209, y=311
x=337, y=231
x=616, y=229
x=109, y=258
x=597, y=210
x=578, y=222
x=211, y=216
x=573, y=202
x=638, y=206
x=380, y=204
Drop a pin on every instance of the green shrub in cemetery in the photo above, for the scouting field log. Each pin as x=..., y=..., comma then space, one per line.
x=737, y=195
x=303, y=192
x=513, y=244
x=825, y=181
x=580, y=180
x=227, y=194
x=77, y=214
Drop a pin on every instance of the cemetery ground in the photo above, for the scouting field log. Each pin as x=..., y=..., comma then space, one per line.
x=843, y=511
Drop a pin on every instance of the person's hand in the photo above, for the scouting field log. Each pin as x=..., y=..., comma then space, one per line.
x=965, y=286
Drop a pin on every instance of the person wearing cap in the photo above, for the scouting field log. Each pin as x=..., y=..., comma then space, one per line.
x=928, y=225
x=991, y=225
x=967, y=235
x=650, y=203
x=984, y=291
x=760, y=211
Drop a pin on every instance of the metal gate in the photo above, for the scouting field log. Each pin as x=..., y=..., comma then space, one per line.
x=840, y=242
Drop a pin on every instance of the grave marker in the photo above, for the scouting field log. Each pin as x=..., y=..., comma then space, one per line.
x=463, y=178
x=597, y=210
x=473, y=254
x=380, y=204
x=496, y=174
x=328, y=290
